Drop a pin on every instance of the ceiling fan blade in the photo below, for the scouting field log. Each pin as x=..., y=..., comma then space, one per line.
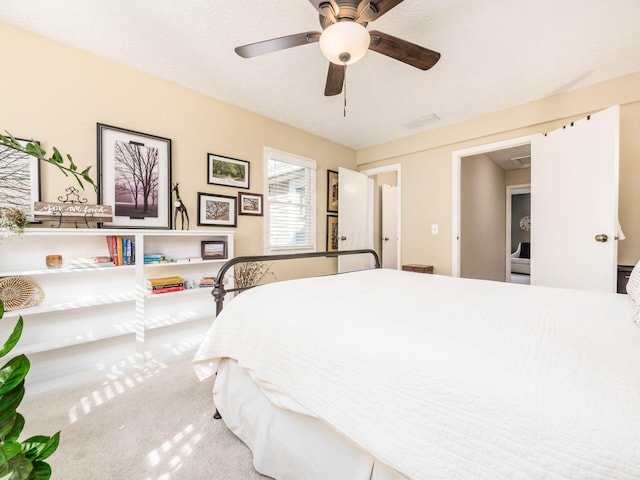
x=275, y=44
x=404, y=51
x=326, y=8
x=335, y=80
x=368, y=11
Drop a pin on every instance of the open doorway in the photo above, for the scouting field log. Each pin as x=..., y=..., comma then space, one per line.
x=386, y=205
x=481, y=176
x=518, y=237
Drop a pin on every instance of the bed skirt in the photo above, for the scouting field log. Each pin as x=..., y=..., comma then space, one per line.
x=289, y=445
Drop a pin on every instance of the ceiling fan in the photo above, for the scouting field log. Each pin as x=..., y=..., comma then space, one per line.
x=344, y=39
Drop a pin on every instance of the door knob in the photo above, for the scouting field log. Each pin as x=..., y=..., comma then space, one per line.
x=343, y=238
x=386, y=239
x=602, y=237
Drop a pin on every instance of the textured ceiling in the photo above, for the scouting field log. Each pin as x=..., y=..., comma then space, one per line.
x=495, y=54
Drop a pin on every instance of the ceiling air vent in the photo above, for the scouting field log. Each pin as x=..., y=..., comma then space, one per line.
x=422, y=121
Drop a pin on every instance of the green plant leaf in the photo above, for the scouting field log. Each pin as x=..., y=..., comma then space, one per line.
x=9, y=449
x=13, y=338
x=1, y=309
x=41, y=471
x=9, y=402
x=13, y=372
x=18, y=468
x=11, y=428
x=40, y=447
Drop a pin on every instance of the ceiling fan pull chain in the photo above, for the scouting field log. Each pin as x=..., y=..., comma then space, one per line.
x=344, y=89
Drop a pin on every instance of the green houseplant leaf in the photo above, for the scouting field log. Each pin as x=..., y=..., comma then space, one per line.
x=13, y=338
x=13, y=372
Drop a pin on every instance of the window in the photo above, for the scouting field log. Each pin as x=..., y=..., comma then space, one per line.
x=290, y=205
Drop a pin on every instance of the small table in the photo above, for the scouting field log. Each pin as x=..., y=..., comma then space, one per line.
x=418, y=268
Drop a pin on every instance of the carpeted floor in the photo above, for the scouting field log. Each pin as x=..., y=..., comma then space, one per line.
x=155, y=424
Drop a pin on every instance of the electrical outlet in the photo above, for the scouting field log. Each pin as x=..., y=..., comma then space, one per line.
x=434, y=229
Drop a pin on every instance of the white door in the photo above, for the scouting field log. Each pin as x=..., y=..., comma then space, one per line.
x=574, y=208
x=354, y=223
x=389, y=202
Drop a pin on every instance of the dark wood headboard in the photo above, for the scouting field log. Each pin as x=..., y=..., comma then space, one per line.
x=219, y=292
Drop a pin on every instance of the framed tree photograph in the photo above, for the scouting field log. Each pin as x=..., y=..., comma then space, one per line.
x=135, y=177
x=19, y=179
x=250, y=203
x=332, y=233
x=217, y=210
x=213, y=249
x=332, y=191
x=226, y=171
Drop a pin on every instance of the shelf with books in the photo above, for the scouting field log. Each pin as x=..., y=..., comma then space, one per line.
x=87, y=300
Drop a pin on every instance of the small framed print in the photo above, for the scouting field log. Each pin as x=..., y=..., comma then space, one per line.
x=332, y=191
x=332, y=233
x=214, y=249
x=250, y=203
x=217, y=210
x=226, y=171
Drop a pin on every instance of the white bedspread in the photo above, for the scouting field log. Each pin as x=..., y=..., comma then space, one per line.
x=446, y=378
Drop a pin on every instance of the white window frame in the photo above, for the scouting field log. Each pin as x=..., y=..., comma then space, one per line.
x=301, y=161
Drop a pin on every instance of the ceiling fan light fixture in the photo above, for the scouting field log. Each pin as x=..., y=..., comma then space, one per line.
x=345, y=42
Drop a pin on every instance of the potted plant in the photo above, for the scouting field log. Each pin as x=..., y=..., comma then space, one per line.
x=19, y=460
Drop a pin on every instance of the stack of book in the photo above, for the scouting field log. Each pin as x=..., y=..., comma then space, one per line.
x=164, y=285
x=207, y=282
x=121, y=250
x=154, y=258
x=91, y=262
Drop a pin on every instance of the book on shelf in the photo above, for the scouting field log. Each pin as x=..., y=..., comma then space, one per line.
x=164, y=281
x=207, y=282
x=121, y=250
x=165, y=285
x=157, y=291
x=91, y=262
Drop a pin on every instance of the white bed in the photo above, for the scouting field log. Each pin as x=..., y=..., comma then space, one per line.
x=389, y=375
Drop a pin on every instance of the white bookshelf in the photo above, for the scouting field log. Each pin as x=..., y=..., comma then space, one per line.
x=93, y=317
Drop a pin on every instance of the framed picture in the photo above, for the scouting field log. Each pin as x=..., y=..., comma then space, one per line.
x=250, y=203
x=332, y=233
x=332, y=191
x=226, y=171
x=135, y=177
x=217, y=210
x=20, y=185
x=214, y=249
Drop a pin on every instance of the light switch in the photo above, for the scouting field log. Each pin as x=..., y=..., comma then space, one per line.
x=434, y=229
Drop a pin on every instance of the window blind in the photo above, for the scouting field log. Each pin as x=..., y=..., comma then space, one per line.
x=291, y=204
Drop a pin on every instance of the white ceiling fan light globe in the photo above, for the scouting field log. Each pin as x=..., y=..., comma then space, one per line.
x=344, y=37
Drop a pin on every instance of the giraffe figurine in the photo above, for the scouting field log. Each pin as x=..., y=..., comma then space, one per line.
x=179, y=207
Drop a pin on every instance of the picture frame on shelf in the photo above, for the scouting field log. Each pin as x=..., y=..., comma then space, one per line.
x=134, y=169
x=227, y=171
x=332, y=233
x=217, y=210
x=21, y=186
x=250, y=203
x=214, y=249
x=332, y=191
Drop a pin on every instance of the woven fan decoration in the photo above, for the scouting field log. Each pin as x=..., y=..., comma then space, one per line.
x=20, y=292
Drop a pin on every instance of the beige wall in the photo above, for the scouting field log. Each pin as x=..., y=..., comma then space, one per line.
x=519, y=176
x=57, y=94
x=426, y=161
x=482, y=219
